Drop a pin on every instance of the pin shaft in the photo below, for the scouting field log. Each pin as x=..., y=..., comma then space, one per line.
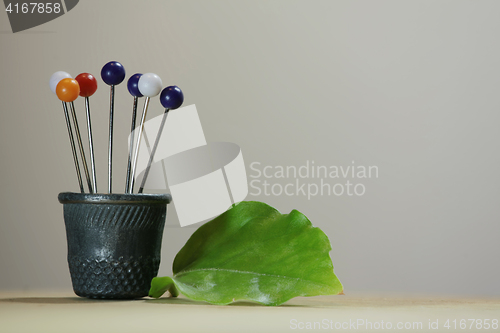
x=138, y=144
x=91, y=145
x=153, y=151
x=131, y=147
x=80, y=145
x=73, y=148
x=110, y=145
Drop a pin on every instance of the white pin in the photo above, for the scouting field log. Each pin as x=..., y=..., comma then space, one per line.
x=149, y=85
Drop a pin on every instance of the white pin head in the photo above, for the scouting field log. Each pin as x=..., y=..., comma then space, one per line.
x=150, y=84
x=56, y=78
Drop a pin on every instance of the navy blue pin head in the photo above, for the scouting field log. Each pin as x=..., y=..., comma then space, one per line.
x=133, y=85
x=113, y=73
x=171, y=97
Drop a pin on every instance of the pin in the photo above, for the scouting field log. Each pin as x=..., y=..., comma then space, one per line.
x=171, y=98
x=133, y=88
x=149, y=85
x=113, y=73
x=88, y=86
x=54, y=80
x=68, y=90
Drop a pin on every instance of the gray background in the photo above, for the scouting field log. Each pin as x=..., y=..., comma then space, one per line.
x=409, y=86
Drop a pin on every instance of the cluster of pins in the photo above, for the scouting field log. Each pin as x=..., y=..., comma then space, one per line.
x=147, y=85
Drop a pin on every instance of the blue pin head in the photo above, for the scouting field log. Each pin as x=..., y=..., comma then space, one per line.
x=113, y=73
x=171, y=97
x=133, y=85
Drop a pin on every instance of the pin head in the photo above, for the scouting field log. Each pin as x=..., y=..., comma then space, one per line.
x=56, y=78
x=171, y=97
x=87, y=83
x=113, y=73
x=133, y=85
x=68, y=90
x=150, y=84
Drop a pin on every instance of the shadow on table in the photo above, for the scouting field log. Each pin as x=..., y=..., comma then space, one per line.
x=58, y=300
x=81, y=300
x=185, y=301
x=164, y=300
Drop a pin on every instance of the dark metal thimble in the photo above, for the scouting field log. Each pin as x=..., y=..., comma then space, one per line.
x=114, y=242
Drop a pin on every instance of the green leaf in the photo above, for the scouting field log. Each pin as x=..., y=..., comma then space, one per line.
x=253, y=252
x=161, y=285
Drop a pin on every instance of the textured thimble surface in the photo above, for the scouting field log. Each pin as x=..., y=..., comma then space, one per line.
x=114, y=242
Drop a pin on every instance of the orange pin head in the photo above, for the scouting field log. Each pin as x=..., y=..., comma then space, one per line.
x=67, y=90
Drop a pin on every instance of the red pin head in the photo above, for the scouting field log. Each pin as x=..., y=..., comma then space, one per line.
x=88, y=84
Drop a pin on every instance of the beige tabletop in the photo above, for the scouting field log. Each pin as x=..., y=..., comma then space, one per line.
x=64, y=312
